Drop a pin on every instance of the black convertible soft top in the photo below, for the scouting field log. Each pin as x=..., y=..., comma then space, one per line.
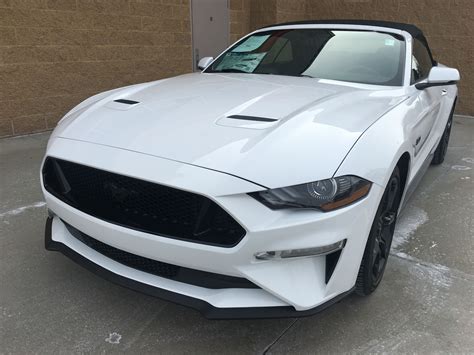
x=411, y=29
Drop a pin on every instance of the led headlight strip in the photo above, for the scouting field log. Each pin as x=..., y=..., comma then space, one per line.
x=301, y=253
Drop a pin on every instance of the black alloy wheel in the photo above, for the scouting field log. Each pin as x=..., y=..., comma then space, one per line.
x=380, y=238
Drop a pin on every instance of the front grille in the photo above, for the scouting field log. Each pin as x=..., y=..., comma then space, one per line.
x=141, y=205
x=158, y=268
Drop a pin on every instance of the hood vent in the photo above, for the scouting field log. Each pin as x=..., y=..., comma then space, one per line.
x=126, y=102
x=252, y=118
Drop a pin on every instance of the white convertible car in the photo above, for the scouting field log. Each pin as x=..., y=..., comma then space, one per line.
x=267, y=185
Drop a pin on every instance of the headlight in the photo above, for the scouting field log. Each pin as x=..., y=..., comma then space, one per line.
x=326, y=195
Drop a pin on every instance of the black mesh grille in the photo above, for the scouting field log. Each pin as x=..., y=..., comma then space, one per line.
x=169, y=271
x=141, y=205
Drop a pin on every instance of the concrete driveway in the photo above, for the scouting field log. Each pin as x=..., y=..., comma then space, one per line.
x=48, y=304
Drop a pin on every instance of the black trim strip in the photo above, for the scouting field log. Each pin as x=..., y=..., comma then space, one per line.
x=252, y=118
x=412, y=29
x=205, y=308
x=127, y=102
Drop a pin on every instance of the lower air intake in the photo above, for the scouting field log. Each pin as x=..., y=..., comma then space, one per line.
x=158, y=268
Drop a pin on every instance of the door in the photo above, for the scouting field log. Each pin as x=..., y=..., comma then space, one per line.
x=210, y=26
x=428, y=107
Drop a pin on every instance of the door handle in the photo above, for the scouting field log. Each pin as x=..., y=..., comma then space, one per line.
x=444, y=92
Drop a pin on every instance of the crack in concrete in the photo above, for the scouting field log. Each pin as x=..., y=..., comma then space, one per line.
x=269, y=346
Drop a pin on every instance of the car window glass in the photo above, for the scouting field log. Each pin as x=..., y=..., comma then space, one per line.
x=421, y=63
x=346, y=55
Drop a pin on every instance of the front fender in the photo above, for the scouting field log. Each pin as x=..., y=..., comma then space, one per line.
x=378, y=150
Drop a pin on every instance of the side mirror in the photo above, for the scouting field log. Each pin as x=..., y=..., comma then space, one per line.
x=440, y=76
x=204, y=62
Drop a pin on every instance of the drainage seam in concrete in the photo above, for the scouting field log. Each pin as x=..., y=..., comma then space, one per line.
x=269, y=346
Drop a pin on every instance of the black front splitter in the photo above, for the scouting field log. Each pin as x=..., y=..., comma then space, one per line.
x=206, y=309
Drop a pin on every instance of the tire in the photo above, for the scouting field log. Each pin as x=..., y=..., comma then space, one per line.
x=380, y=238
x=442, y=147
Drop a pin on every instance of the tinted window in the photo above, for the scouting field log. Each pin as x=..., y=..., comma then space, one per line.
x=355, y=56
x=420, y=61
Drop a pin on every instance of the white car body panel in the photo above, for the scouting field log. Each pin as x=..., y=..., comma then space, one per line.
x=179, y=134
x=404, y=124
x=184, y=119
x=266, y=229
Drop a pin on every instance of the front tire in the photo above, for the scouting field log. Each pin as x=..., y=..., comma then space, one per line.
x=380, y=238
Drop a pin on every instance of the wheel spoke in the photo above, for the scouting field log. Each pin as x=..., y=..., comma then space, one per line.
x=392, y=194
x=383, y=228
x=385, y=242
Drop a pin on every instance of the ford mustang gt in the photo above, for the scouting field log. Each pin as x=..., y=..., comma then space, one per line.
x=266, y=185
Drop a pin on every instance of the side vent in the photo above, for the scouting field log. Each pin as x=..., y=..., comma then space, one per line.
x=252, y=118
x=331, y=262
x=126, y=102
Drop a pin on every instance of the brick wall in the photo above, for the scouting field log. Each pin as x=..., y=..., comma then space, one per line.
x=55, y=53
x=262, y=12
x=239, y=19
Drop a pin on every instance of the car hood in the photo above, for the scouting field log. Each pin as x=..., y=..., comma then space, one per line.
x=308, y=128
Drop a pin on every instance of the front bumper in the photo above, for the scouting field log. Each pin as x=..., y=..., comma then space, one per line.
x=205, y=308
x=285, y=287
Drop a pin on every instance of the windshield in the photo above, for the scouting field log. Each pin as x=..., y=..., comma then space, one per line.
x=356, y=56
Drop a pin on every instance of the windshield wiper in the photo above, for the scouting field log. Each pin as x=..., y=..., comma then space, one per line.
x=230, y=70
x=307, y=76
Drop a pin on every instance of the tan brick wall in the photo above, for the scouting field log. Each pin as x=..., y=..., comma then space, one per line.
x=55, y=53
x=291, y=10
x=239, y=19
x=262, y=13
